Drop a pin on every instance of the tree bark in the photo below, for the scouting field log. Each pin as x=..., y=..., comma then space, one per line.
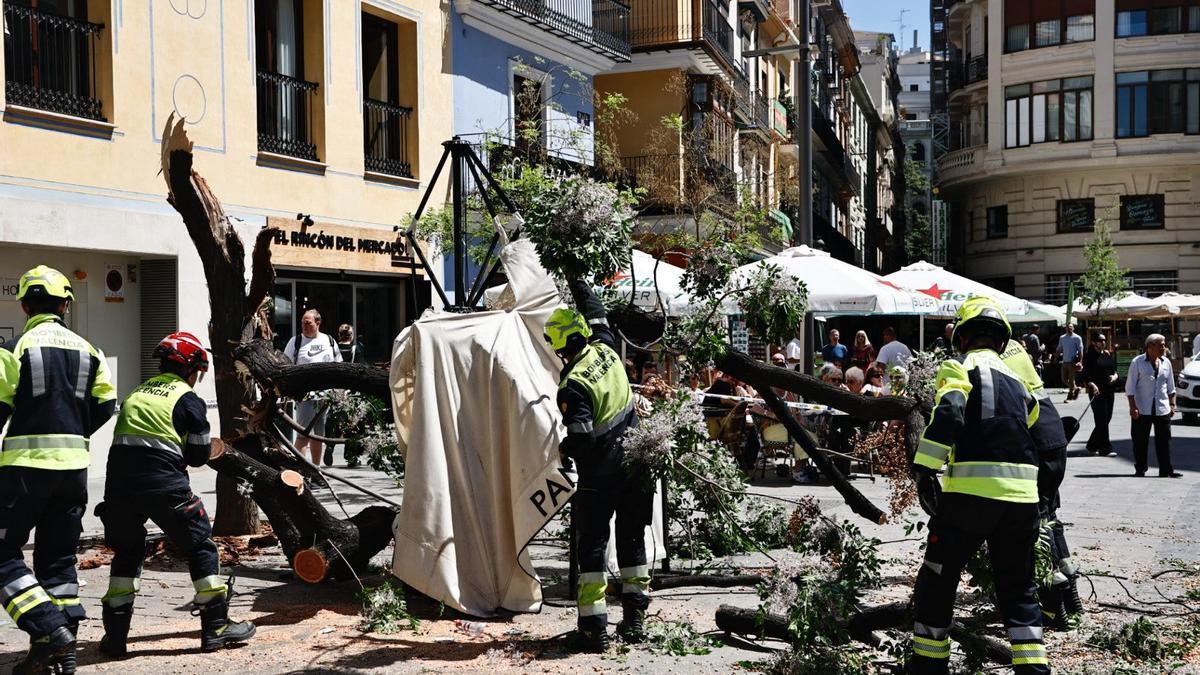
x=254, y=466
x=893, y=615
x=271, y=369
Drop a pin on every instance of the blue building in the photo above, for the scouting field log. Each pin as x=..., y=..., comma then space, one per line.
x=523, y=70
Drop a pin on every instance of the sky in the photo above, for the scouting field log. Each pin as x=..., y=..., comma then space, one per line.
x=882, y=15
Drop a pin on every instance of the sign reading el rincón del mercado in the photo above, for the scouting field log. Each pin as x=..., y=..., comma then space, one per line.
x=340, y=247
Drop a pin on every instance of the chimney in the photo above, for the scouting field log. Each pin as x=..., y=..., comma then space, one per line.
x=915, y=38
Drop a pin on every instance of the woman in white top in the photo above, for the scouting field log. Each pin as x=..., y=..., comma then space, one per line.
x=312, y=346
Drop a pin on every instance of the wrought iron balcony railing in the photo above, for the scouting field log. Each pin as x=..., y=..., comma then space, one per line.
x=285, y=119
x=385, y=138
x=976, y=70
x=599, y=25
x=661, y=23
x=50, y=62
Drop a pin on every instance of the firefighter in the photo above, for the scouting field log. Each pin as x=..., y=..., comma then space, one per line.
x=597, y=406
x=980, y=429
x=163, y=429
x=55, y=392
x=1051, y=435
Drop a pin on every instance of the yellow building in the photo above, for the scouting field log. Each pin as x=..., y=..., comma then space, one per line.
x=695, y=59
x=333, y=110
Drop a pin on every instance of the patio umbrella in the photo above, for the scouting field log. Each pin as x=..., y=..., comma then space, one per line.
x=1176, y=305
x=951, y=290
x=838, y=288
x=638, y=282
x=1128, y=306
x=1042, y=314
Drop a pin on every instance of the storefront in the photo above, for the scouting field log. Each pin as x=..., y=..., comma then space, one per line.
x=358, y=276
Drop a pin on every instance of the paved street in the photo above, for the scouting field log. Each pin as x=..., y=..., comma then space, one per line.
x=1118, y=524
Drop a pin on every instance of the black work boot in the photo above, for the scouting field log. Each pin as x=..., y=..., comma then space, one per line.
x=52, y=654
x=632, y=628
x=216, y=630
x=1072, y=603
x=589, y=641
x=116, y=630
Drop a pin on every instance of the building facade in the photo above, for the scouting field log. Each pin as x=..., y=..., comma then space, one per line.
x=319, y=117
x=883, y=192
x=1063, y=114
x=916, y=128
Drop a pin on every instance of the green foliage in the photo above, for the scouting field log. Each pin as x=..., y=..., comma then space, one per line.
x=1043, y=556
x=773, y=304
x=822, y=660
x=918, y=241
x=676, y=638
x=979, y=573
x=385, y=610
x=582, y=227
x=1144, y=640
x=1103, y=278
x=365, y=421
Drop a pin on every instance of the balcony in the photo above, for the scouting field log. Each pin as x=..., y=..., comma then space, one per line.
x=285, y=116
x=663, y=24
x=960, y=164
x=976, y=70
x=599, y=26
x=385, y=138
x=50, y=62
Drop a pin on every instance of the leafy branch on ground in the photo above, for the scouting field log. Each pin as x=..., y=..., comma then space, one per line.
x=385, y=610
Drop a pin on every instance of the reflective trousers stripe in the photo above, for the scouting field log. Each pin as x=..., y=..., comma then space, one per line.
x=932, y=649
x=26, y=601
x=1067, y=566
x=1025, y=633
x=147, y=442
x=992, y=470
x=208, y=588
x=18, y=586
x=121, y=591
x=592, y=589
x=199, y=439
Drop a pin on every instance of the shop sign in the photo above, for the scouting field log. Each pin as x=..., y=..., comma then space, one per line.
x=8, y=288
x=338, y=247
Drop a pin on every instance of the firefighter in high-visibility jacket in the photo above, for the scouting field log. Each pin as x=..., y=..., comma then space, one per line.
x=980, y=430
x=163, y=429
x=1051, y=435
x=597, y=406
x=55, y=392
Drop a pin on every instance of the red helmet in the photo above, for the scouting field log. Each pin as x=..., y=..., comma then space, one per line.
x=183, y=348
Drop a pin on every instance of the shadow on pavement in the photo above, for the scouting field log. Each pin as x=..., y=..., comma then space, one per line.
x=392, y=651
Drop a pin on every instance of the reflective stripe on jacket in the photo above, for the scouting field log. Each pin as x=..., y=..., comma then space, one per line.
x=146, y=417
x=981, y=425
x=57, y=389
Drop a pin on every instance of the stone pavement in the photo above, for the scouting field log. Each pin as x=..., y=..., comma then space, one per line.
x=1116, y=524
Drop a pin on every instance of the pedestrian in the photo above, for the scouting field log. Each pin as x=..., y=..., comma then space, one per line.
x=597, y=405
x=794, y=350
x=944, y=342
x=1150, y=387
x=835, y=352
x=1033, y=346
x=55, y=392
x=1058, y=595
x=831, y=374
x=349, y=348
x=980, y=427
x=1100, y=377
x=1070, y=351
x=855, y=380
x=893, y=354
x=863, y=353
x=312, y=346
x=162, y=430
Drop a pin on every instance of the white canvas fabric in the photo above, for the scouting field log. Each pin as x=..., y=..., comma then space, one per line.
x=476, y=415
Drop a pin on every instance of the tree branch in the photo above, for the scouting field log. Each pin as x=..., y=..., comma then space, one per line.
x=262, y=272
x=272, y=370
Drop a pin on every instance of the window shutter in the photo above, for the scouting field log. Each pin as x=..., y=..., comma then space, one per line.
x=1077, y=7
x=1016, y=12
x=1044, y=10
x=160, y=309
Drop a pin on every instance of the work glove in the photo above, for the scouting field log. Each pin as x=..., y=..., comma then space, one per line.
x=929, y=490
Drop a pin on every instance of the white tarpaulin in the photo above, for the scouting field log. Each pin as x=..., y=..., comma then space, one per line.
x=474, y=402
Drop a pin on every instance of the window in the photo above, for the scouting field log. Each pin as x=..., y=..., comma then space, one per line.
x=52, y=54
x=914, y=87
x=1157, y=17
x=1153, y=284
x=1051, y=110
x=997, y=222
x=1046, y=23
x=1158, y=102
x=387, y=121
x=1142, y=212
x=919, y=152
x=1076, y=215
x=529, y=129
x=1057, y=287
x=286, y=124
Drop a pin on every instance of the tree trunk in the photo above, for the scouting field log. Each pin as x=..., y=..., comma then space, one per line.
x=253, y=469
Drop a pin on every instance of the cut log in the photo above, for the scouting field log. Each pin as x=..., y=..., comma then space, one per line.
x=310, y=565
x=709, y=580
x=292, y=479
x=897, y=615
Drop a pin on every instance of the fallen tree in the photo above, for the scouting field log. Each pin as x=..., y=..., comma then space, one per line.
x=253, y=471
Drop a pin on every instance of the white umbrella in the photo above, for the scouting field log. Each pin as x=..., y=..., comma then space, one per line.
x=638, y=282
x=951, y=290
x=1127, y=306
x=1178, y=305
x=838, y=288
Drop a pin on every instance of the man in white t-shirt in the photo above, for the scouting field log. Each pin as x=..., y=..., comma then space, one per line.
x=794, y=351
x=312, y=346
x=893, y=353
